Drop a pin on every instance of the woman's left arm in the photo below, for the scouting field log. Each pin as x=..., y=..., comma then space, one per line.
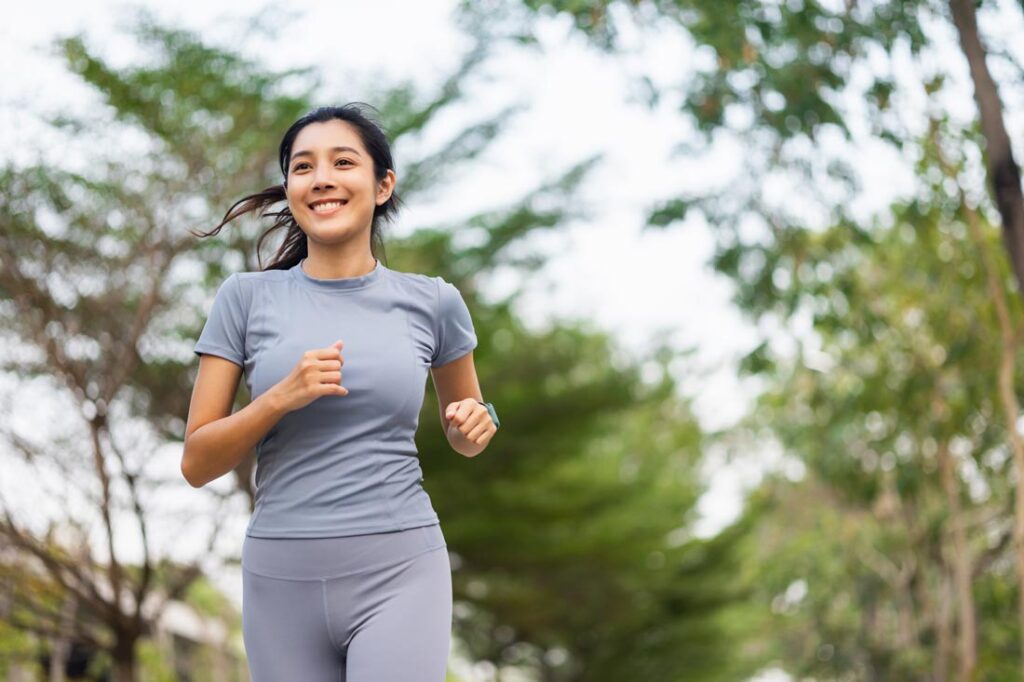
x=467, y=423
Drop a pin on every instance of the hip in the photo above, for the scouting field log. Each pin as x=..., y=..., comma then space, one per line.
x=331, y=557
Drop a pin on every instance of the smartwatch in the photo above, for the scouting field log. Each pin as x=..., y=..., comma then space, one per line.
x=490, y=411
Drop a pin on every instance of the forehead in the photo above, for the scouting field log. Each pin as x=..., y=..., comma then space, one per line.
x=320, y=136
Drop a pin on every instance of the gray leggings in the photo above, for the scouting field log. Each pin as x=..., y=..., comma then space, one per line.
x=361, y=608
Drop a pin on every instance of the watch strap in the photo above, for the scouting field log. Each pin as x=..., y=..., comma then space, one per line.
x=491, y=411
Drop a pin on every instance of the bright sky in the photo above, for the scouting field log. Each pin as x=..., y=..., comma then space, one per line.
x=604, y=268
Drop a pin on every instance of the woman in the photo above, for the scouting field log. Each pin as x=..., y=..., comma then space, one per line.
x=345, y=571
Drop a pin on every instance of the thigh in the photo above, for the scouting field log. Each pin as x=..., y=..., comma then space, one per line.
x=285, y=631
x=408, y=635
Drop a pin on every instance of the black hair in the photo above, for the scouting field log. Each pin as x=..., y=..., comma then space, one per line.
x=294, y=247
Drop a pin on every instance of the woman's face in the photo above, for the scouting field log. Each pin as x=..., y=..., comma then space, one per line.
x=329, y=163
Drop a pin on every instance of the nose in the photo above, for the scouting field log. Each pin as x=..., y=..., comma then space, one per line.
x=322, y=178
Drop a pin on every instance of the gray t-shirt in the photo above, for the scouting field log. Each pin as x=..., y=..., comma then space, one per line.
x=341, y=465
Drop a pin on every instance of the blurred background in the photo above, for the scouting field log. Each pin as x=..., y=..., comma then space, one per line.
x=746, y=278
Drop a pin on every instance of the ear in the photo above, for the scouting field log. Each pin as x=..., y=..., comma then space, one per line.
x=387, y=186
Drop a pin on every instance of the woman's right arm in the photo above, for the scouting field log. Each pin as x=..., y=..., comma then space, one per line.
x=217, y=441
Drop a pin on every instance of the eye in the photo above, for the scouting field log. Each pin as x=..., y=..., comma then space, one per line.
x=299, y=166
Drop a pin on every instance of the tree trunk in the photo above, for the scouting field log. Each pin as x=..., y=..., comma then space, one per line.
x=943, y=628
x=1003, y=171
x=1011, y=409
x=967, y=638
x=60, y=647
x=124, y=660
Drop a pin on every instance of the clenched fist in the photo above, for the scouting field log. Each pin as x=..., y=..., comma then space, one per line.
x=471, y=419
x=317, y=373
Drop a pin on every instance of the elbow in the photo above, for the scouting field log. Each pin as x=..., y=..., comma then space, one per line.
x=187, y=473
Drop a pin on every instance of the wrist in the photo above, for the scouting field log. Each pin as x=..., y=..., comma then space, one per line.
x=275, y=401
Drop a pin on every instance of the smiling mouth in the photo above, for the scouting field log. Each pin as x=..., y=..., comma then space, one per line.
x=327, y=207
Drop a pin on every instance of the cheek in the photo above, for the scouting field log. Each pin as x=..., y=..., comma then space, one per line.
x=293, y=204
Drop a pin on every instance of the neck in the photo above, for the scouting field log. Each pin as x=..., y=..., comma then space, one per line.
x=337, y=266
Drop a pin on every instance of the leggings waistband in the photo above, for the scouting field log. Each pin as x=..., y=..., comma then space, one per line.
x=318, y=558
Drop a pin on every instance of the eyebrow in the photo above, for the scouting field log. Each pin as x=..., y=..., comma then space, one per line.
x=306, y=152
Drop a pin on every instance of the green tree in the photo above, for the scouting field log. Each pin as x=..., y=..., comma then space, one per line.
x=790, y=80
x=903, y=515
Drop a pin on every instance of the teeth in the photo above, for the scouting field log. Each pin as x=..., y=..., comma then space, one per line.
x=327, y=206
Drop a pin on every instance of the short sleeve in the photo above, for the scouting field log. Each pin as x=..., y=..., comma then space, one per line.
x=454, y=335
x=223, y=334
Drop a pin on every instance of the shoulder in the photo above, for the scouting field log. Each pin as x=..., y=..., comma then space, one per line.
x=251, y=278
x=240, y=289
x=249, y=281
x=415, y=285
x=432, y=294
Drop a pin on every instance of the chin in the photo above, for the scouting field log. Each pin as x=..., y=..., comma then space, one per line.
x=333, y=236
